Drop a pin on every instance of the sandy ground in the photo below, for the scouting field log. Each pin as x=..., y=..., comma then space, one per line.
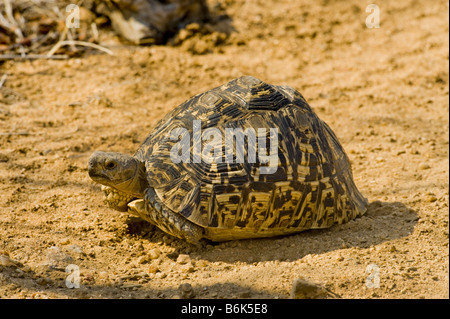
x=384, y=91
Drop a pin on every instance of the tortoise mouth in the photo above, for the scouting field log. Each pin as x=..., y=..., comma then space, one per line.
x=98, y=177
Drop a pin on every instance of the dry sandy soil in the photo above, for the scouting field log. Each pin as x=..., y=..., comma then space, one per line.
x=384, y=91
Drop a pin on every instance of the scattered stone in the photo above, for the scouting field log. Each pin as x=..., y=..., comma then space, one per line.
x=19, y=273
x=304, y=289
x=194, y=27
x=431, y=198
x=186, y=291
x=142, y=260
x=200, y=47
x=26, y=268
x=6, y=261
x=154, y=253
x=131, y=286
x=160, y=275
x=139, y=247
x=183, y=259
x=101, y=99
x=152, y=269
x=424, y=166
x=187, y=268
x=183, y=34
x=65, y=241
x=201, y=263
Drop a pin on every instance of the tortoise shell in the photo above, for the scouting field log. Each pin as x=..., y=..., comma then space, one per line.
x=311, y=186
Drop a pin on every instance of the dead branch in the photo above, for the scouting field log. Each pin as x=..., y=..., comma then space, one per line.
x=82, y=43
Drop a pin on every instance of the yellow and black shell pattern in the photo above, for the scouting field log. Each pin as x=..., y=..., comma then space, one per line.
x=311, y=187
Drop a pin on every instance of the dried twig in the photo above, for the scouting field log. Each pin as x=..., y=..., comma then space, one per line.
x=82, y=43
x=66, y=32
x=13, y=23
x=3, y=80
x=94, y=31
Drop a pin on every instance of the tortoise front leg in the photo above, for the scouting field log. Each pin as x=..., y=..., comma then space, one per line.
x=152, y=210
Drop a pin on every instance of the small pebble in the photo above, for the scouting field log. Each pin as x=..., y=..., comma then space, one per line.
x=187, y=268
x=183, y=34
x=131, y=286
x=154, y=253
x=431, y=198
x=142, y=260
x=186, y=291
x=160, y=275
x=183, y=259
x=201, y=263
x=152, y=269
x=6, y=261
x=424, y=166
x=193, y=27
x=65, y=241
x=20, y=273
x=304, y=289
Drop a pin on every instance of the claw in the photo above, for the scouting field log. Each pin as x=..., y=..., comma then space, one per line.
x=115, y=199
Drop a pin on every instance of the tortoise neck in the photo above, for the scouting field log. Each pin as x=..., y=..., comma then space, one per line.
x=138, y=184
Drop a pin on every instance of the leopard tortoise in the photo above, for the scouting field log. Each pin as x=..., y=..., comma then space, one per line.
x=226, y=198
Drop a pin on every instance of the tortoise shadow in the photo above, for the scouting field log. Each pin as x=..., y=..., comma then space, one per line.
x=384, y=221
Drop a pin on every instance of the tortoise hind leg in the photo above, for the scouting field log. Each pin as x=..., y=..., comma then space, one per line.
x=152, y=210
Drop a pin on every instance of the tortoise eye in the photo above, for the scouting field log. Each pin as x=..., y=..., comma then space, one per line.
x=110, y=165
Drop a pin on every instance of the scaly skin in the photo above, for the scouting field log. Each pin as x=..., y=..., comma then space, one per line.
x=115, y=199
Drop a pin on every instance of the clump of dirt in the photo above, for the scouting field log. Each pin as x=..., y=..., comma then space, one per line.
x=384, y=91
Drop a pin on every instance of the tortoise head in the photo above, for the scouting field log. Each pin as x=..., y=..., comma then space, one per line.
x=123, y=173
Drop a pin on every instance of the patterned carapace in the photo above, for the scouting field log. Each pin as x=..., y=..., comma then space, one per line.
x=312, y=186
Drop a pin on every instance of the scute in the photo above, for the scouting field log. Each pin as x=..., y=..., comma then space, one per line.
x=311, y=188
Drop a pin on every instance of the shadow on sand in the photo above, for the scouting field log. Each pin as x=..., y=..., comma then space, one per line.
x=384, y=221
